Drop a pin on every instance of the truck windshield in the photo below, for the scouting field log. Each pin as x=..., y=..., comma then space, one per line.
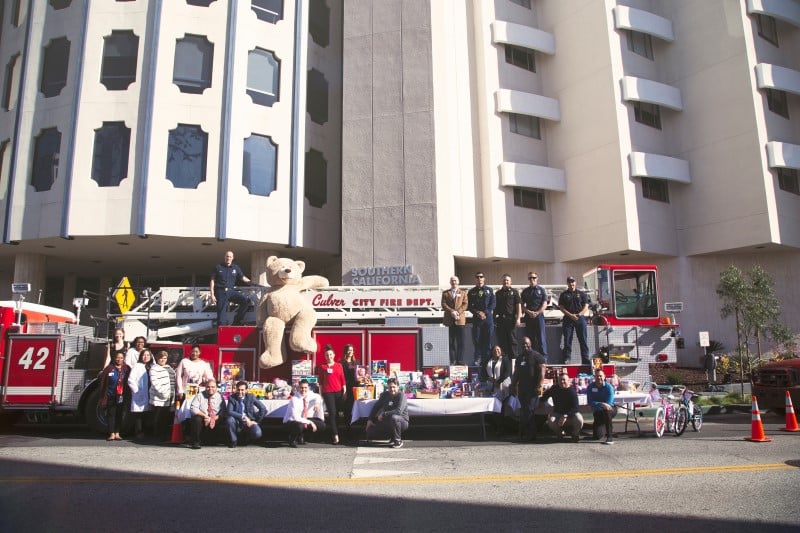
x=635, y=294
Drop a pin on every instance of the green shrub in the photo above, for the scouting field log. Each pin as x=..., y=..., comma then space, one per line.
x=673, y=378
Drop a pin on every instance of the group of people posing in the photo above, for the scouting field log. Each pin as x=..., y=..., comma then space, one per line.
x=522, y=379
x=499, y=313
x=148, y=387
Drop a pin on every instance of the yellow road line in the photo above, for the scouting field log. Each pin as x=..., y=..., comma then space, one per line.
x=295, y=482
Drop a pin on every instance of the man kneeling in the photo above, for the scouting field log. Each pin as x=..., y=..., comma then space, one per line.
x=305, y=414
x=565, y=418
x=244, y=415
x=389, y=415
x=207, y=408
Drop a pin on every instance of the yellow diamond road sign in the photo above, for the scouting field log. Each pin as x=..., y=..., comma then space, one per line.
x=124, y=295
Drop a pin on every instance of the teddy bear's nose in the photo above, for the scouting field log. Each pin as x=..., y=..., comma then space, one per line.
x=287, y=270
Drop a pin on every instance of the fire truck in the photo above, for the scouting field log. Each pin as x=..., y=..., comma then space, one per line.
x=630, y=327
x=48, y=363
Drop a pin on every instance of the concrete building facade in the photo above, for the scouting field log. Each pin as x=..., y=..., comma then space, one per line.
x=146, y=137
x=568, y=133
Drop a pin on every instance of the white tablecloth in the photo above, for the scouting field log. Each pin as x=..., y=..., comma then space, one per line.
x=435, y=407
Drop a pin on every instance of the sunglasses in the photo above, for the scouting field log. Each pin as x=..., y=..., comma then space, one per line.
x=479, y=276
x=532, y=277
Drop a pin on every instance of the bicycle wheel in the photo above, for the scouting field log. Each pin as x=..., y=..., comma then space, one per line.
x=697, y=418
x=681, y=420
x=659, y=422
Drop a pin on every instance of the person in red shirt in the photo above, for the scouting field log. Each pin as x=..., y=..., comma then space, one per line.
x=330, y=376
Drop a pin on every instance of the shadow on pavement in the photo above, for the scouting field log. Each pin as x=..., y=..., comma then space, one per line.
x=41, y=497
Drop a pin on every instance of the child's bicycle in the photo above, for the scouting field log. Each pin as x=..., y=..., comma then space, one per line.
x=693, y=411
x=670, y=418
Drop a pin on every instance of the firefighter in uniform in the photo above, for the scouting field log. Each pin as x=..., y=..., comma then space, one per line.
x=481, y=305
x=534, y=302
x=223, y=283
x=507, y=315
x=574, y=303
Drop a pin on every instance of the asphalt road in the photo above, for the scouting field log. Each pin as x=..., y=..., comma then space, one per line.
x=62, y=478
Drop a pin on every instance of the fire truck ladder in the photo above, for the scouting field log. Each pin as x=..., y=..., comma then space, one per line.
x=177, y=312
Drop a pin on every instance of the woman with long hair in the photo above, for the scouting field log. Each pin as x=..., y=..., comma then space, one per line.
x=115, y=345
x=349, y=365
x=116, y=393
x=139, y=382
x=332, y=387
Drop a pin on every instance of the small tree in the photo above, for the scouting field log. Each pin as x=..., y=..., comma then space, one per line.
x=733, y=292
x=762, y=310
x=751, y=300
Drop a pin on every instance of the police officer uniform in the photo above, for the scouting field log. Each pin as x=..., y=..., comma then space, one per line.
x=225, y=280
x=574, y=302
x=532, y=299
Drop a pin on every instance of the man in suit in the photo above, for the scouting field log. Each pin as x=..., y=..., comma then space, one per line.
x=244, y=415
x=454, y=303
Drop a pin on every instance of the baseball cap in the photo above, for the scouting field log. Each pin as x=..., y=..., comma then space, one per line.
x=570, y=279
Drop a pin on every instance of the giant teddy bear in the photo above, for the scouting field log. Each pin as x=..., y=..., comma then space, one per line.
x=282, y=305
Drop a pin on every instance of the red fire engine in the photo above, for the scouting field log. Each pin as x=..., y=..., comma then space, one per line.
x=50, y=364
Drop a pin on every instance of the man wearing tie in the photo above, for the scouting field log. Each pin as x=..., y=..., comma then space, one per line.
x=208, y=409
x=244, y=415
x=454, y=303
x=304, y=414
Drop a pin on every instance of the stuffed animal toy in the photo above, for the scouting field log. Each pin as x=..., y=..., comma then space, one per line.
x=282, y=305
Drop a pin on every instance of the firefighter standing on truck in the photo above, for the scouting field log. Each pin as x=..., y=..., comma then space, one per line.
x=223, y=283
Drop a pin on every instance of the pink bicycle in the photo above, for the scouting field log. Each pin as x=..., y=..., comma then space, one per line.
x=670, y=418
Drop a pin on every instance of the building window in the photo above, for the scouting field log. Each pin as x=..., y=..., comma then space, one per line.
x=11, y=86
x=46, y=159
x=655, y=189
x=767, y=28
x=268, y=10
x=788, y=180
x=110, y=161
x=317, y=96
x=194, y=56
x=529, y=198
x=524, y=125
x=263, y=75
x=120, y=51
x=260, y=165
x=520, y=57
x=640, y=43
x=316, y=184
x=60, y=4
x=647, y=114
x=777, y=102
x=523, y=3
x=55, y=67
x=187, y=151
x=319, y=16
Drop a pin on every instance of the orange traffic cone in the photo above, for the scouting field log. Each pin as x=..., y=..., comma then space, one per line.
x=791, y=420
x=757, y=428
x=177, y=431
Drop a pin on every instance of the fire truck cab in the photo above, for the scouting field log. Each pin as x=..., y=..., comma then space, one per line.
x=48, y=363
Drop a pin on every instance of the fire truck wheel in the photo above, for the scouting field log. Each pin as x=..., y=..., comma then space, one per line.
x=94, y=413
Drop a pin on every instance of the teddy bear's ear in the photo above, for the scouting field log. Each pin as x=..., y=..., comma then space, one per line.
x=301, y=265
x=271, y=259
